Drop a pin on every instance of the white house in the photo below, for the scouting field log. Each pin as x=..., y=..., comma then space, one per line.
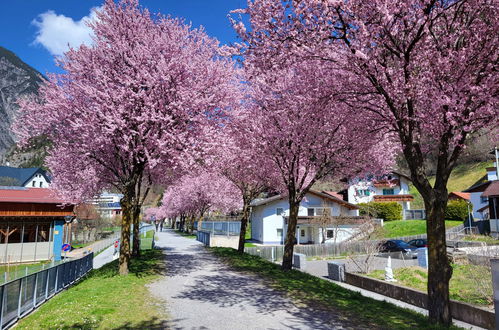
x=481, y=203
x=34, y=177
x=108, y=204
x=269, y=218
x=393, y=187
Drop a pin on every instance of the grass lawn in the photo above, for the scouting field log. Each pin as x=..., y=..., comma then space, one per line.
x=248, y=237
x=401, y=228
x=308, y=289
x=105, y=300
x=18, y=270
x=463, y=284
x=80, y=245
x=462, y=177
x=481, y=238
x=146, y=241
x=186, y=235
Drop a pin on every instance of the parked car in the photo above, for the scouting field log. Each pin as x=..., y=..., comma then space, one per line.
x=419, y=243
x=397, y=245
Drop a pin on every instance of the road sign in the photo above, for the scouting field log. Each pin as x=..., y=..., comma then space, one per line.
x=116, y=244
x=66, y=247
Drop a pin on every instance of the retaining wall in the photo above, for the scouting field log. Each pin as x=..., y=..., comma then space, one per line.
x=459, y=310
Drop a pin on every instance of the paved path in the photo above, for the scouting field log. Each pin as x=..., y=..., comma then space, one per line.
x=200, y=292
x=105, y=257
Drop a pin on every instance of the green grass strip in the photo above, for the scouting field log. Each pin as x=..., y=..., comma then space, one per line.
x=313, y=291
x=105, y=300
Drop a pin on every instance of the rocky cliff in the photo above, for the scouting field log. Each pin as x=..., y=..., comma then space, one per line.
x=16, y=80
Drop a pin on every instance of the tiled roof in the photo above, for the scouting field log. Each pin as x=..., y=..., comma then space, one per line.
x=492, y=189
x=393, y=198
x=460, y=194
x=29, y=195
x=338, y=200
x=334, y=194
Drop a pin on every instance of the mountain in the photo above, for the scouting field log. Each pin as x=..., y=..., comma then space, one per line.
x=16, y=80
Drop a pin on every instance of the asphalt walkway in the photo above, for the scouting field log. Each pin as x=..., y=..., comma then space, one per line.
x=200, y=292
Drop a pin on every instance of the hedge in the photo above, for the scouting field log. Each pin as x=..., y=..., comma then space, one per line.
x=456, y=210
x=387, y=210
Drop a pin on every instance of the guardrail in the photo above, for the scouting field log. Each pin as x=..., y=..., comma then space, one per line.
x=21, y=296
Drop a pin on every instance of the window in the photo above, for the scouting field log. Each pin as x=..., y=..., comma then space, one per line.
x=302, y=233
x=279, y=211
x=322, y=211
x=310, y=211
x=483, y=199
x=33, y=183
x=41, y=183
x=363, y=192
x=388, y=191
x=330, y=233
x=279, y=232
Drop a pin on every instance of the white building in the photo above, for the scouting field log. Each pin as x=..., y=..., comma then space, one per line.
x=269, y=218
x=108, y=204
x=393, y=187
x=34, y=177
x=481, y=203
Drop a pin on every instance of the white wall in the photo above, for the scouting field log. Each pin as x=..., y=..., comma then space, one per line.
x=492, y=175
x=37, y=181
x=25, y=252
x=402, y=189
x=265, y=222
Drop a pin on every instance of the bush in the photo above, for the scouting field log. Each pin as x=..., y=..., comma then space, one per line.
x=387, y=210
x=456, y=210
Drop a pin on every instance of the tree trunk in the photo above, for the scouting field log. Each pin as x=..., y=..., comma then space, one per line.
x=191, y=224
x=287, y=259
x=126, y=220
x=439, y=268
x=136, y=231
x=244, y=225
x=181, y=223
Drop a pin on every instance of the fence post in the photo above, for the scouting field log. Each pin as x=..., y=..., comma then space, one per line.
x=35, y=289
x=2, y=303
x=56, y=278
x=47, y=285
x=19, y=298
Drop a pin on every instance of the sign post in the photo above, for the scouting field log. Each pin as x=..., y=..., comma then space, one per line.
x=116, y=246
x=66, y=247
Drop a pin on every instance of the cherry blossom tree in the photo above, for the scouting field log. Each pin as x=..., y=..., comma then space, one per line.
x=301, y=128
x=235, y=156
x=126, y=111
x=198, y=193
x=427, y=71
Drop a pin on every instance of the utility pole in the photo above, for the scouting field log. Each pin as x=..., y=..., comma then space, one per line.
x=497, y=162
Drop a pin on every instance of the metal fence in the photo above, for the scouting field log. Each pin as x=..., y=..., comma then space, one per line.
x=221, y=227
x=21, y=296
x=275, y=253
x=415, y=214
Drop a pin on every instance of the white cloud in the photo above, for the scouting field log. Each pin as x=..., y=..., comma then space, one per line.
x=56, y=32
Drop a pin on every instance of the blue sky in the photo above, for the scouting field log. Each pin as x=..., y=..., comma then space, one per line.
x=59, y=20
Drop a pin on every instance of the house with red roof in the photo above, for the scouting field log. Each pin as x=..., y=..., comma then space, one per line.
x=391, y=187
x=458, y=195
x=32, y=224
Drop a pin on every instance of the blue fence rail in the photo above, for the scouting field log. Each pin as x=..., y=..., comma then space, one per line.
x=21, y=296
